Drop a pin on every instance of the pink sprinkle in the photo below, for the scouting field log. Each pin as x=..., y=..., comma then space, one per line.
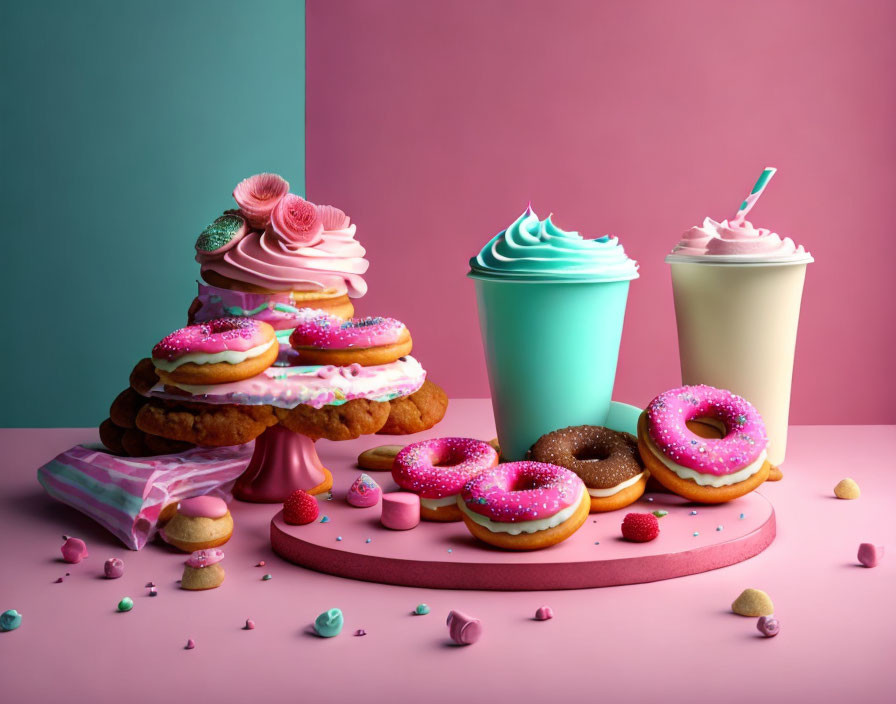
x=544, y=613
x=250, y=624
x=190, y=644
x=149, y=584
x=152, y=591
x=74, y=550
x=260, y=564
x=360, y=632
x=59, y=581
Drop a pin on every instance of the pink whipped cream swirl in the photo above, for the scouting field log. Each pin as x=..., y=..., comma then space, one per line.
x=435, y=469
x=744, y=441
x=328, y=332
x=334, y=261
x=522, y=491
x=237, y=334
x=738, y=240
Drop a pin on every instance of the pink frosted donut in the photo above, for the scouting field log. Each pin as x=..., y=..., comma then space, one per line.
x=437, y=470
x=217, y=351
x=524, y=505
x=701, y=468
x=326, y=339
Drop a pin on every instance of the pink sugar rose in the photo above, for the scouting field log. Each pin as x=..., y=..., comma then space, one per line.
x=257, y=197
x=333, y=218
x=296, y=221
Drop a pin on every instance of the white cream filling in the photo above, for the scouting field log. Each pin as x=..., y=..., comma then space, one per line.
x=522, y=526
x=703, y=479
x=229, y=356
x=613, y=490
x=433, y=504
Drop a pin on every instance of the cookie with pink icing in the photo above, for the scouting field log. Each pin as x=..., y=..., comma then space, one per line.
x=216, y=352
x=200, y=523
x=365, y=341
x=524, y=505
x=704, y=443
x=202, y=570
x=437, y=471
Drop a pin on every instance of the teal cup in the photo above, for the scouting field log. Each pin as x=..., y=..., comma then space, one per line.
x=551, y=350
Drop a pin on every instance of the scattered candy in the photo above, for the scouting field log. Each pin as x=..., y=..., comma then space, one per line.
x=449, y=549
x=300, y=508
x=640, y=527
x=597, y=542
x=769, y=626
x=149, y=584
x=660, y=513
x=544, y=613
x=58, y=580
x=422, y=609
x=250, y=624
x=753, y=602
x=338, y=538
x=113, y=568
x=742, y=516
x=696, y=533
x=10, y=620
x=152, y=591
x=190, y=644
x=360, y=632
x=267, y=577
x=68, y=574
x=847, y=489
x=74, y=550
x=364, y=492
x=329, y=623
x=870, y=555
x=463, y=629
x=367, y=541
x=693, y=513
x=718, y=528
x=325, y=519
x=260, y=564
x=650, y=499
x=126, y=604
x=400, y=510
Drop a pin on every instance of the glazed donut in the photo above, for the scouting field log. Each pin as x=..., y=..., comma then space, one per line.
x=524, y=505
x=437, y=470
x=326, y=339
x=607, y=461
x=216, y=352
x=707, y=470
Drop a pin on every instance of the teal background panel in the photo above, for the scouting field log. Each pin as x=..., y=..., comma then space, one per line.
x=124, y=128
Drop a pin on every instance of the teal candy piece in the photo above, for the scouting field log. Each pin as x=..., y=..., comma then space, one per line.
x=422, y=609
x=10, y=620
x=126, y=604
x=551, y=351
x=329, y=623
x=537, y=250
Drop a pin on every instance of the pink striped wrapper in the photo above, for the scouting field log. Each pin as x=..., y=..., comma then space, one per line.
x=125, y=495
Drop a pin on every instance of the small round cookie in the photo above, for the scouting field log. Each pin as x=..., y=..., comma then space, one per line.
x=202, y=570
x=365, y=341
x=437, y=471
x=205, y=424
x=704, y=469
x=200, y=523
x=216, y=352
x=143, y=376
x=379, y=459
x=607, y=461
x=524, y=505
x=125, y=407
x=347, y=421
x=415, y=413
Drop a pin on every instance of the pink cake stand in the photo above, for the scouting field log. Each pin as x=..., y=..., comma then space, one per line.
x=284, y=461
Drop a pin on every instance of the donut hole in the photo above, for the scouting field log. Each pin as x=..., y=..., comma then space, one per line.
x=449, y=458
x=591, y=454
x=524, y=484
x=708, y=427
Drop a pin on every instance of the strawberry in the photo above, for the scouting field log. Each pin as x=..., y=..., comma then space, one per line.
x=300, y=508
x=640, y=527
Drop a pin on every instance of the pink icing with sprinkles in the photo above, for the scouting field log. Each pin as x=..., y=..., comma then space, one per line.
x=522, y=491
x=331, y=333
x=204, y=558
x=435, y=469
x=238, y=334
x=744, y=442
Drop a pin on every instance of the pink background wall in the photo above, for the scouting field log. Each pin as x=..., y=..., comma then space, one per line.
x=433, y=124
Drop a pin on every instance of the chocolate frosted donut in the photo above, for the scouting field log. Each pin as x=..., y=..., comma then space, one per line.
x=607, y=462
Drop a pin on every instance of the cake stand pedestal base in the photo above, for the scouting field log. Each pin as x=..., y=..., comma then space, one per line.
x=283, y=461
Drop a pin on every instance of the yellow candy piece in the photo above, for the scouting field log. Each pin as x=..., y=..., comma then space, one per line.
x=847, y=489
x=753, y=602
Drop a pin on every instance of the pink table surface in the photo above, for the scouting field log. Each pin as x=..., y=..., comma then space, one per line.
x=670, y=641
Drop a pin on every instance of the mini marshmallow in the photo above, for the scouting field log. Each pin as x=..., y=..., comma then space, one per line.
x=401, y=510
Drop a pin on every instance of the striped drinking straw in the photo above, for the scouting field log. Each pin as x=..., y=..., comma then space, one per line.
x=751, y=199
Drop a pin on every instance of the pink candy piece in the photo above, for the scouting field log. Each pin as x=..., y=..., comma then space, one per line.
x=364, y=492
x=768, y=626
x=401, y=510
x=870, y=555
x=463, y=629
x=58, y=580
x=204, y=558
x=74, y=550
x=190, y=644
x=203, y=507
x=544, y=613
x=113, y=568
x=250, y=624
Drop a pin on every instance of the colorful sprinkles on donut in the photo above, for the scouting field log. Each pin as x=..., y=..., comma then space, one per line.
x=439, y=468
x=237, y=334
x=332, y=333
